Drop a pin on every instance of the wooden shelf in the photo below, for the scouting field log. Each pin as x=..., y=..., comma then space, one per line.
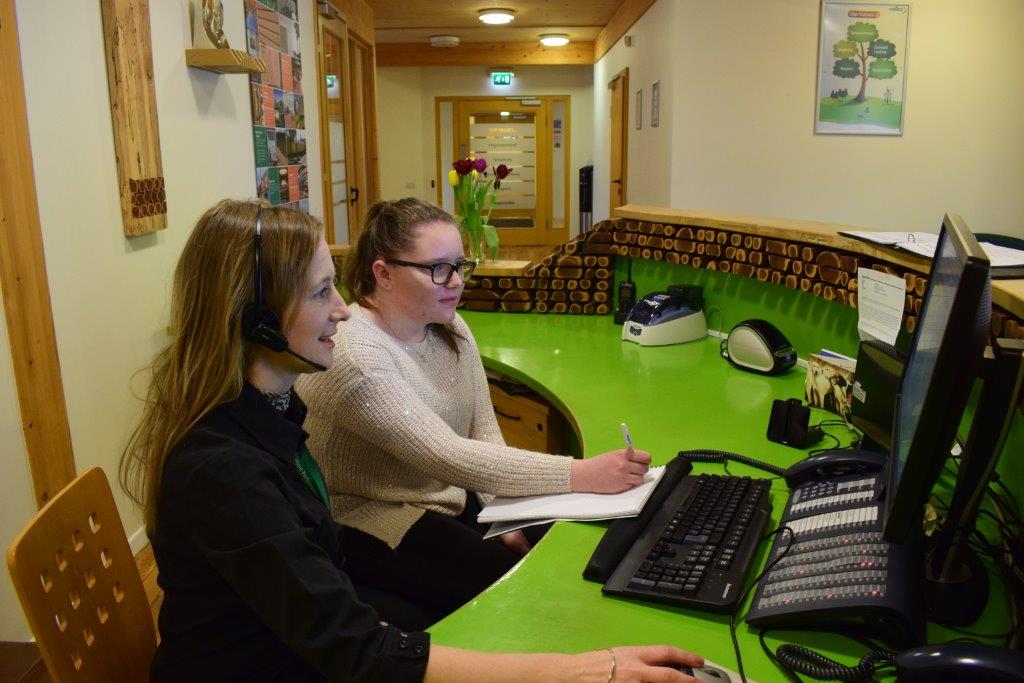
x=501, y=268
x=225, y=61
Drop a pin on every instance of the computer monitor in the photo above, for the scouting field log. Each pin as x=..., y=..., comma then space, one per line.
x=944, y=359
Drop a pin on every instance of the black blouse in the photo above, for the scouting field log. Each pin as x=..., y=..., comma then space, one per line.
x=251, y=562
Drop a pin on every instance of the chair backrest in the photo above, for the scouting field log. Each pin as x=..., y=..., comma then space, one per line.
x=80, y=588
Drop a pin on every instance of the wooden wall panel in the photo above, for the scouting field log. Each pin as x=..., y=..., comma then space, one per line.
x=483, y=54
x=621, y=21
x=140, y=173
x=25, y=287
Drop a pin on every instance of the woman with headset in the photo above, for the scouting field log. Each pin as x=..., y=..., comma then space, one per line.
x=250, y=561
x=404, y=428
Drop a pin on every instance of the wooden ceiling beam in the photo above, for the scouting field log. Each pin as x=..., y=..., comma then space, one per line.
x=621, y=21
x=483, y=54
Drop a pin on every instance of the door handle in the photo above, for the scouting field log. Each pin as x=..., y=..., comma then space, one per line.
x=353, y=195
x=618, y=180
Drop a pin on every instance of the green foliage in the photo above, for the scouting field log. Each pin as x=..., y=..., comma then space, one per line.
x=474, y=197
x=491, y=237
x=844, y=49
x=862, y=32
x=846, y=68
x=881, y=49
x=882, y=69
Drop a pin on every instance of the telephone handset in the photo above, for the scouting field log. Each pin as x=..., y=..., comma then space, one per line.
x=836, y=463
x=823, y=466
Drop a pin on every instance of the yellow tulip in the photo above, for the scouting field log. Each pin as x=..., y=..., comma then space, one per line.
x=473, y=175
x=453, y=178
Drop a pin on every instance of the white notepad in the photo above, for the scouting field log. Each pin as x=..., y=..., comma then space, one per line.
x=573, y=505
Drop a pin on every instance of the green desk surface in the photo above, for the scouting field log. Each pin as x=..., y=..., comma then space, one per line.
x=675, y=397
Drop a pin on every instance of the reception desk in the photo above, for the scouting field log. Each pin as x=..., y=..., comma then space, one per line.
x=675, y=397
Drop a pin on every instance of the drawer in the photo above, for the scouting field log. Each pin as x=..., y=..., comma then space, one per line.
x=528, y=421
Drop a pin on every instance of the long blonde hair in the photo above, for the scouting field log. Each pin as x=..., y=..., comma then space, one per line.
x=204, y=364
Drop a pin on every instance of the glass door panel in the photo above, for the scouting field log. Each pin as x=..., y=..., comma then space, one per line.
x=508, y=132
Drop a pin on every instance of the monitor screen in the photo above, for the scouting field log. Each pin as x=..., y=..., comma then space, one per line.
x=944, y=357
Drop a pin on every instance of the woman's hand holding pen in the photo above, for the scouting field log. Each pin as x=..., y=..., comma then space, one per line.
x=612, y=472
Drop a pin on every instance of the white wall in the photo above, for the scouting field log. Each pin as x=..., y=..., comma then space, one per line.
x=16, y=485
x=405, y=104
x=651, y=58
x=742, y=100
x=110, y=293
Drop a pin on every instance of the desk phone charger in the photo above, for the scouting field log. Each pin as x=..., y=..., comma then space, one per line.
x=788, y=424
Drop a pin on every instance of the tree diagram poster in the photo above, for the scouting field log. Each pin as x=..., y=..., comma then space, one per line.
x=862, y=68
x=278, y=110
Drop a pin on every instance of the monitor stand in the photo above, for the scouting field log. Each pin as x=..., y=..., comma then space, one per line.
x=956, y=582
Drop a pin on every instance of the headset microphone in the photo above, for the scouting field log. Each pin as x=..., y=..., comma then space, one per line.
x=260, y=324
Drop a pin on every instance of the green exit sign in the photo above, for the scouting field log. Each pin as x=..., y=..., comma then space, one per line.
x=501, y=78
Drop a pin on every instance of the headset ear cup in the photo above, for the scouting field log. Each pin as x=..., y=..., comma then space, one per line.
x=261, y=325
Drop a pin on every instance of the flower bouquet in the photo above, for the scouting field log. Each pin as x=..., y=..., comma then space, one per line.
x=474, y=197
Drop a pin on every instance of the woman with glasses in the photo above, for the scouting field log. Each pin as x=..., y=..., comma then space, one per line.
x=404, y=428
x=251, y=563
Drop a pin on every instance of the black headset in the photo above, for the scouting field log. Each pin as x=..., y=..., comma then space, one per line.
x=260, y=324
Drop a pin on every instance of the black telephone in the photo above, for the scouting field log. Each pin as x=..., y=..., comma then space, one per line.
x=826, y=465
x=836, y=463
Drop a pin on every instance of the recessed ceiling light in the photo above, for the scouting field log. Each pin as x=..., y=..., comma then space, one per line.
x=444, y=41
x=554, y=39
x=497, y=15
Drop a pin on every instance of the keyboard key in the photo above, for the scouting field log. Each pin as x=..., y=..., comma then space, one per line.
x=668, y=587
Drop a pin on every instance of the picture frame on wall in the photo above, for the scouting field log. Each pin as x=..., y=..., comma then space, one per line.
x=862, y=68
x=639, y=109
x=655, y=103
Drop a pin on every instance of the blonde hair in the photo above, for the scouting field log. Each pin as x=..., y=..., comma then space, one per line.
x=204, y=364
x=389, y=229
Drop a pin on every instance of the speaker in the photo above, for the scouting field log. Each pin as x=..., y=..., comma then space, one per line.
x=788, y=424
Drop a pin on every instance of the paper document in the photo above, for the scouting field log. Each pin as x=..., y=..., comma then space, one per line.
x=499, y=528
x=572, y=505
x=880, y=300
x=892, y=238
x=1003, y=257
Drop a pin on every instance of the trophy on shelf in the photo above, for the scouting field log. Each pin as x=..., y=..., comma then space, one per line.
x=208, y=25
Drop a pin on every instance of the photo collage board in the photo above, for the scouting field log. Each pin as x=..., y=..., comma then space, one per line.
x=278, y=109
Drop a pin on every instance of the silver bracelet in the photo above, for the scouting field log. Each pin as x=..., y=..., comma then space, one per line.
x=611, y=674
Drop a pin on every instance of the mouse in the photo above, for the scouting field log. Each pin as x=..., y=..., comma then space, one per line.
x=955, y=662
x=706, y=674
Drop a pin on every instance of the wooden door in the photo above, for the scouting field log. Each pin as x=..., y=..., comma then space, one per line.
x=364, y=178
x=515, y=134
x=335, y=123
x=619, y=140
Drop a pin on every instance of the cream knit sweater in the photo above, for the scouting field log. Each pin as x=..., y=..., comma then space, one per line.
x=400, y=428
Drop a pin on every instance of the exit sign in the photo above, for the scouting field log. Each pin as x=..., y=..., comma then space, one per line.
x=501, y=78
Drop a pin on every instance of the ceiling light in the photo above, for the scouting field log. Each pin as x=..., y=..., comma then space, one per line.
x=497, y=15
x=444, y=41
x=554, y=39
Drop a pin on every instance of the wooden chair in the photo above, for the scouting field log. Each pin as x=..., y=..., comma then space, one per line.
x=80, y=587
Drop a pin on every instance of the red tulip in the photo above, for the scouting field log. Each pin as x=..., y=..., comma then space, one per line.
x=463, y=166
x=502, y=171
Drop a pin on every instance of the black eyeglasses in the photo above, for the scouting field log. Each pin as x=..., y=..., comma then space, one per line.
x=441, y=273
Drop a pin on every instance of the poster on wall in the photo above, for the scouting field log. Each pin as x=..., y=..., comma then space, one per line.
x=278, y=109
x=862, y=68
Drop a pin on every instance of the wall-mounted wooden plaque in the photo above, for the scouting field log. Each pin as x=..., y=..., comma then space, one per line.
x=133, y=112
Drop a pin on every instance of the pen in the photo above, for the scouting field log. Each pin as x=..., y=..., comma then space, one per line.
x=626, y=436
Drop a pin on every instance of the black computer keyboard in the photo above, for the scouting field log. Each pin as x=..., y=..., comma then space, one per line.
x=697, y=548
